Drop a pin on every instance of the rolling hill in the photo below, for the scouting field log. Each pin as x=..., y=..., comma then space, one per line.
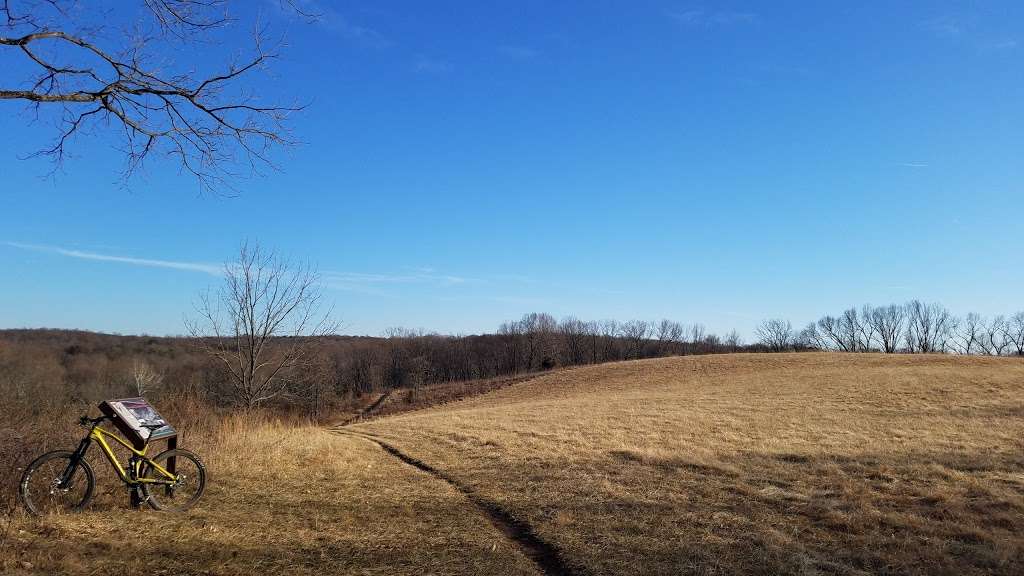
x=793, y=463
x=755, y=464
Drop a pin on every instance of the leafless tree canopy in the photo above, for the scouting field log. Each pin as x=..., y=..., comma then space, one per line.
x=260, y=324
x=636, y=333
x=968, y=334
x=915, y=327
x=888, y=323
x=776, y=334
x=1014, y=333
x=145, y=377
x=929, y=327
x=89, y=75
x=733, y=341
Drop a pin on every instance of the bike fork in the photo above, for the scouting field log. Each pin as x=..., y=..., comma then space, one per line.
x=69, y=472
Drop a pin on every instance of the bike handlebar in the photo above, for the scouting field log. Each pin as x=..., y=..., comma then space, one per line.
x=86, y=421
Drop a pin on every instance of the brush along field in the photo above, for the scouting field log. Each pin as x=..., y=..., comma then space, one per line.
x=753, y=464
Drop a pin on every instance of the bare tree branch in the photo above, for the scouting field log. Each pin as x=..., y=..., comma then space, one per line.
x=210, y=124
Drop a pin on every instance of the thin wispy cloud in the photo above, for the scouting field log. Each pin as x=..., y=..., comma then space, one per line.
x=699, y=18
x=1000, y=45
x=366, y=282
x=212, y=269
x=518, y=52
x=344, y=280
x=948, y=27
x=968, y=30
x=524, y=301
x=518, y=278
x=912, y=164
x=335, y=22
x=427, y=65
x=328, y=18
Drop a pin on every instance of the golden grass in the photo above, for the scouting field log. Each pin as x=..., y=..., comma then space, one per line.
x=282, y=499
x=755, y=464
x=744, y=464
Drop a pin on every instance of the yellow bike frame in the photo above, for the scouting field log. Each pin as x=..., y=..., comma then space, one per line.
x=99, y=435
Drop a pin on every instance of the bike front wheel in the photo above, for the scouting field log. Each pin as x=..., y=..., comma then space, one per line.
x=187, y=488
x=56, y=482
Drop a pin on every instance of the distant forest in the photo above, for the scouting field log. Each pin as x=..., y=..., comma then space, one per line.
x=46, y=368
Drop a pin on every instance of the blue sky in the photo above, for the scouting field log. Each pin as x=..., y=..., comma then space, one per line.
x=465, y=163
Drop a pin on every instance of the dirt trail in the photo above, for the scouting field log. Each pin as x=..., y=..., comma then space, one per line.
x=367, y=410
x=399, y=401
x=545, y=556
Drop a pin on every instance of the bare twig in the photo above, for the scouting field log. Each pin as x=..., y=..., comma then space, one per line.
x=207, y=122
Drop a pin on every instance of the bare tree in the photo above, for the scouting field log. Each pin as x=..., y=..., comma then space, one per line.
x=928, y=327
x=362, y=375
x=539, y=330
x=733, y=340
x=261, y=322
x=1014, y=333
x=317, y=383
x=994, y=339
x=145, y=378
x=968, y=334
x=636, y=333
x=696, y=333
x=831, y=333
x=866, y=332
x=850, y=323
x=610, y=330
x=592, y=329
x=712, y=341
x=776, y=334
x=512, y=332
x=573, y=332
x=399, y=332
x=812, y=337
x=669, y=334
x=85, y=73
x=888, y=322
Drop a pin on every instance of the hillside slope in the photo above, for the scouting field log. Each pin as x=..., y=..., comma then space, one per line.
x=792, y=463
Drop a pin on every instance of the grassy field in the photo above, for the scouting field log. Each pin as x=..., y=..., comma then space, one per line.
x=815, y=463
x=282, y=499
x=760, y=464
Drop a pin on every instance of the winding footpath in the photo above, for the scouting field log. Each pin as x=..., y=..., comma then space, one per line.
x=545, y=556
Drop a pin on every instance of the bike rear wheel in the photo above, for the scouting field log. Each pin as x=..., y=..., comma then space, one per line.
x=185, y=492
x=55, y=482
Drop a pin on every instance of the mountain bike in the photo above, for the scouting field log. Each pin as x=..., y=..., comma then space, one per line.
x=61, y=480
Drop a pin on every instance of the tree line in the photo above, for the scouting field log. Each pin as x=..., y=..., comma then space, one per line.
x=53, y=367
x=913, y=327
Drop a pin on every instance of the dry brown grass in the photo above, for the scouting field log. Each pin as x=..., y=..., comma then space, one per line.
x=282, y=499
x=754, y=464
x=746, y=464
